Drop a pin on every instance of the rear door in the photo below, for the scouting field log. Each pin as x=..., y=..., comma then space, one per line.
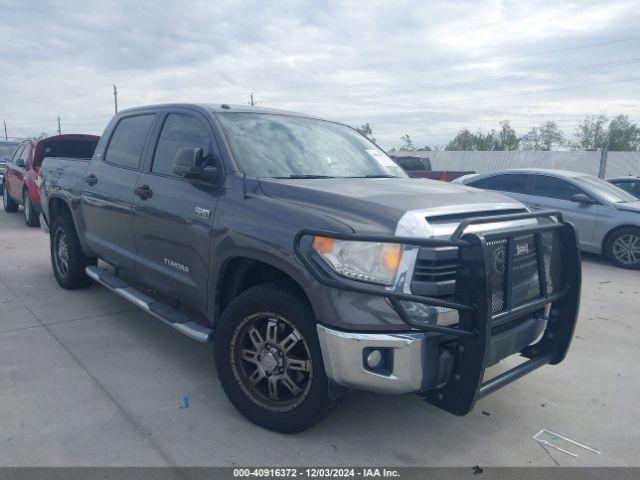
x=18, y=171
x=107, y=196
x=553, y=193
x=173, y=216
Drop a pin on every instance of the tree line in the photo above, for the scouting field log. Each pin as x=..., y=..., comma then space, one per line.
x=595, y=132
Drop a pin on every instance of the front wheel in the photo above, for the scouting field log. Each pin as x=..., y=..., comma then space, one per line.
x=269, y=361
x=31, y=217
x=10, y=205
x=623, y=247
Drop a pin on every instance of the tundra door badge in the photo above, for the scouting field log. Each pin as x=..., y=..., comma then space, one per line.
x=202, y=213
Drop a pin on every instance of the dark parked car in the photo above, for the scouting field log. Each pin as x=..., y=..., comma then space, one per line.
x=310, y=259
x=628, y=184
x=22, y=173
x=6, y=150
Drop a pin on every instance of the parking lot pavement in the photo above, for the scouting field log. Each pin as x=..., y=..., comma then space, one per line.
x=87, y=379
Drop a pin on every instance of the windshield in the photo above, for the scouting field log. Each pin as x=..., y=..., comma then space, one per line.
x=6, y=150
x=282, y=146
x=606, y=190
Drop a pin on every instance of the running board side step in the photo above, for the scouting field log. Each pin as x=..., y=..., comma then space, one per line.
x=169, y=315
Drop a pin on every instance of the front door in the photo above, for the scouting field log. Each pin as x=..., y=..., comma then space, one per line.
x=108, y=191
x=173, y=216
x=552, y=193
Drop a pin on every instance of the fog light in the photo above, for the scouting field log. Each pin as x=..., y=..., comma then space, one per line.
x=374, y=359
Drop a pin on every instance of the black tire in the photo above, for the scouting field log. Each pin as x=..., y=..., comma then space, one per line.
x=623, y=247
x=281, y=300
x=10, y=205
x=69, y=269
x=31, y=217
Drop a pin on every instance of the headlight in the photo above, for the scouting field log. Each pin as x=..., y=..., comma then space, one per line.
x=374, y=262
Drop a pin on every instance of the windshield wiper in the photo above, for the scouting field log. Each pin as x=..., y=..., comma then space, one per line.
x=307, y=176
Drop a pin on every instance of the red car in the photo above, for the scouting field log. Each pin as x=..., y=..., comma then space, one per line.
x=22, y=172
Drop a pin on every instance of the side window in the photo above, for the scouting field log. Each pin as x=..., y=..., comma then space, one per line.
x=179, y=131
x=482, y=183
x=25, y=155
x=551, y=187
x=16, y=154
x=626, y=186
x=127, y=141
x=514, y=183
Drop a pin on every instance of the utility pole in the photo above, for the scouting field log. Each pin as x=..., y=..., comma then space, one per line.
x=251, y=100
x=115, y=97
x=5, y=130
x=59, y=130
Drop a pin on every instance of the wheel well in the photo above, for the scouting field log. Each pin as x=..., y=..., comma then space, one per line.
x=57, y=207
x=241, y=273
x=611, y=232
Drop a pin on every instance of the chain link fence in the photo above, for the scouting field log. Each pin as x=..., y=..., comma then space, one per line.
x=605, y=165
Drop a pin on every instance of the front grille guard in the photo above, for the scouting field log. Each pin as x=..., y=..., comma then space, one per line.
x=471, y=338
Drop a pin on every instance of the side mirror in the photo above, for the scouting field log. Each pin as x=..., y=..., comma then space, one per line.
x=582, y=198
x=190, y=163
x=20, y=163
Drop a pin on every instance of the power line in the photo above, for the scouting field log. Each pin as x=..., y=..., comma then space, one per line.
x=506, y=57
x=569, y=49
x=446, y=86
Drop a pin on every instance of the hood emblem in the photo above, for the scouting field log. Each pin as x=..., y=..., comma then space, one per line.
x=522, y=249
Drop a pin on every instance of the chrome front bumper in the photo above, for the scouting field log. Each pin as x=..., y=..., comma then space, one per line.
x=344, y=363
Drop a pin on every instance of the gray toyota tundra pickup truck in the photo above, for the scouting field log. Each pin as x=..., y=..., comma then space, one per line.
x=310, y=260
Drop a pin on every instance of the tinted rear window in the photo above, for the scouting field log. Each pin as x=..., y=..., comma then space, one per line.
x=127, y=141
x=71, y=149
x=514, y=183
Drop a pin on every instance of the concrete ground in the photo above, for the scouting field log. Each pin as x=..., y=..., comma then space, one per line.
x=87, y=379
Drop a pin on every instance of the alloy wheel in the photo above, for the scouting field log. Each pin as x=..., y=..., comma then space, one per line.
x=61, y=252
x=626, y=249
x=271, y=361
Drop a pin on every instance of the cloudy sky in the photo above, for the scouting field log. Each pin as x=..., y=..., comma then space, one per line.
x=426, y=69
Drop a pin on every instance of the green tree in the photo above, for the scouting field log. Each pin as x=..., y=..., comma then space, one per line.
x=544, y=137
x=503, y=139
x=592, y=133
x=365, y=129
x=623, y=135
x=407, y=143
x=506, y=138
x=464, y=140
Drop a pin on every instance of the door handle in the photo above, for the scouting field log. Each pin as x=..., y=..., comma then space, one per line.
x=91, y=179
x=144, y=191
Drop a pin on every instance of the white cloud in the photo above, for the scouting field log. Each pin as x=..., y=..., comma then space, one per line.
x=426, y=69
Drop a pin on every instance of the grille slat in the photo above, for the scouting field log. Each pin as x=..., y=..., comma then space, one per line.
x=525, y=271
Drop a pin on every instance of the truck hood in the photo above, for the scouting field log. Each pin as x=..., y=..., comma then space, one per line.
x=378, y=204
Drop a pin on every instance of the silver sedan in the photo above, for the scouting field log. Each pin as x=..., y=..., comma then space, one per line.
x=606, y=217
